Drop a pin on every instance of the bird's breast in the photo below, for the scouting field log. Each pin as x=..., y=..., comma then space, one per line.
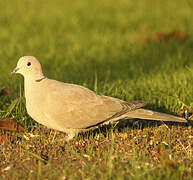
x=35, y=105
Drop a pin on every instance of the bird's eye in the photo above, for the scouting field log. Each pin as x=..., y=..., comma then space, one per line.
x=29, y=64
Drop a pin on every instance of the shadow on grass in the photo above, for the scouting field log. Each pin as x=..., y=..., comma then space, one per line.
x=132, y=124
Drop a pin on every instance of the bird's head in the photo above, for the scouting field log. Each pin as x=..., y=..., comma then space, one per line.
x=28, y=66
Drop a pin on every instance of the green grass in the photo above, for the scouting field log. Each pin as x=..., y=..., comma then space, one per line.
x=100, y=45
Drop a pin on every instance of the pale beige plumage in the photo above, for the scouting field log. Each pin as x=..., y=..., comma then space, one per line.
x=71, y=108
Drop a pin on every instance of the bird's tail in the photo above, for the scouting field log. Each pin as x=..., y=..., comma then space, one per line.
x=152, y=115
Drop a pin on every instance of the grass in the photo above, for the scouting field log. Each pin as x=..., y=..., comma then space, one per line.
x=100, y=45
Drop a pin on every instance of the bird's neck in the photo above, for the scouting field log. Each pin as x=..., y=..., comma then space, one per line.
x=33, y=77
x=31, y=82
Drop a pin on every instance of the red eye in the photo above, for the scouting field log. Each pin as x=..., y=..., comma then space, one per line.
x=29, y=64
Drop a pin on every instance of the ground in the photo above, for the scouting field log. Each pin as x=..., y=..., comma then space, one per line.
x=132, y=50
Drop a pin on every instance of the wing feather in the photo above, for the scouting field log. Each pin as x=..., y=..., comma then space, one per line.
x=73, y=106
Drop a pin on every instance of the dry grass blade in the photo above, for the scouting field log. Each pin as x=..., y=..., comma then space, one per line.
x=36, y=156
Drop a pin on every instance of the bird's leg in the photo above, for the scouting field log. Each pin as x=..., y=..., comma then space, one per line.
x=69, y=137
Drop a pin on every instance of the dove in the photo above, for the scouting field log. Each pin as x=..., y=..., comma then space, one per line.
x=73, y=108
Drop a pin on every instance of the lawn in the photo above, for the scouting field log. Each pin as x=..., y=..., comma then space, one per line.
x=123, y=49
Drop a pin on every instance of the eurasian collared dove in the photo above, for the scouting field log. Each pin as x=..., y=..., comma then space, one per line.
x=72, y=108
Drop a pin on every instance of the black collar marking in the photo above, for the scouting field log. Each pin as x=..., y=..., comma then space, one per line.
x=38, y=80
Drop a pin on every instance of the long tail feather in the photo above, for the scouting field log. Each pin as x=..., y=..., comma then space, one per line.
x=152, y=115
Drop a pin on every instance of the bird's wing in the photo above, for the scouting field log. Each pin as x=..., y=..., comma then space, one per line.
x=73, y=106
